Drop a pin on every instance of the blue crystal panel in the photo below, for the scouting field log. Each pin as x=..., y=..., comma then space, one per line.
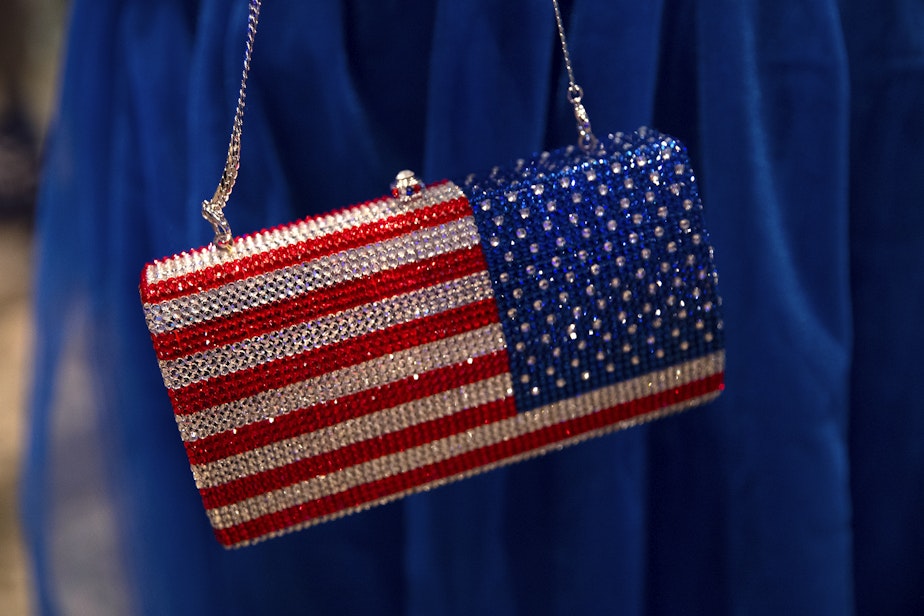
x=601, y=265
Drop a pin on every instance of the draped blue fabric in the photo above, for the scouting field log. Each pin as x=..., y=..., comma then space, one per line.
x=801, y=491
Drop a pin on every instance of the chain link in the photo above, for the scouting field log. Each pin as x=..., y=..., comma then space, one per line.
x=586, y=138
x=213, y=209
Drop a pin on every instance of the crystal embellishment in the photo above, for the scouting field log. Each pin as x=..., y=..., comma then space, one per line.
x=344, y=361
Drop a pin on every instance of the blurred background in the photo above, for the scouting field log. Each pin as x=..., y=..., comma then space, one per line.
x=791, y=481
x=30, y=48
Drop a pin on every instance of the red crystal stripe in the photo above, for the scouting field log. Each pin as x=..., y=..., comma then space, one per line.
x=285, y=256
x=485, y=456
x=357, y=453
x=309, y=419
x=328, y=300
x=288, y=370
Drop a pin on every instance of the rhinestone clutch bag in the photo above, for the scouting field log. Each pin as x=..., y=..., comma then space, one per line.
x=347, y=360
x=344, y=361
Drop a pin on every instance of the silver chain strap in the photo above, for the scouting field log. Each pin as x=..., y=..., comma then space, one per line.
x=586, y=138
x=213, y=209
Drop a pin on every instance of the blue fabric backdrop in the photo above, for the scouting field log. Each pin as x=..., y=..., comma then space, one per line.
x=801, y=491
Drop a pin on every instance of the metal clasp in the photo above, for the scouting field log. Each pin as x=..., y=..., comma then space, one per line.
x=214, y=213
x=586, y=138
x=406, y=185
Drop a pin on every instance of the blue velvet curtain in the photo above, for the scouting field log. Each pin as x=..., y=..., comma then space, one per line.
x=801, y=491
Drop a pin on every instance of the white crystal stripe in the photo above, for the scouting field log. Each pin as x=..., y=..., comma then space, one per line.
x=300, y=279
x=526, y=455
x=311, y=228
x=327, y=330
x=268, y=405
x=353, y=430
x=475, y=438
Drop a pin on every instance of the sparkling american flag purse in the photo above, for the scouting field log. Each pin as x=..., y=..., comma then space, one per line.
x=346, y=360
